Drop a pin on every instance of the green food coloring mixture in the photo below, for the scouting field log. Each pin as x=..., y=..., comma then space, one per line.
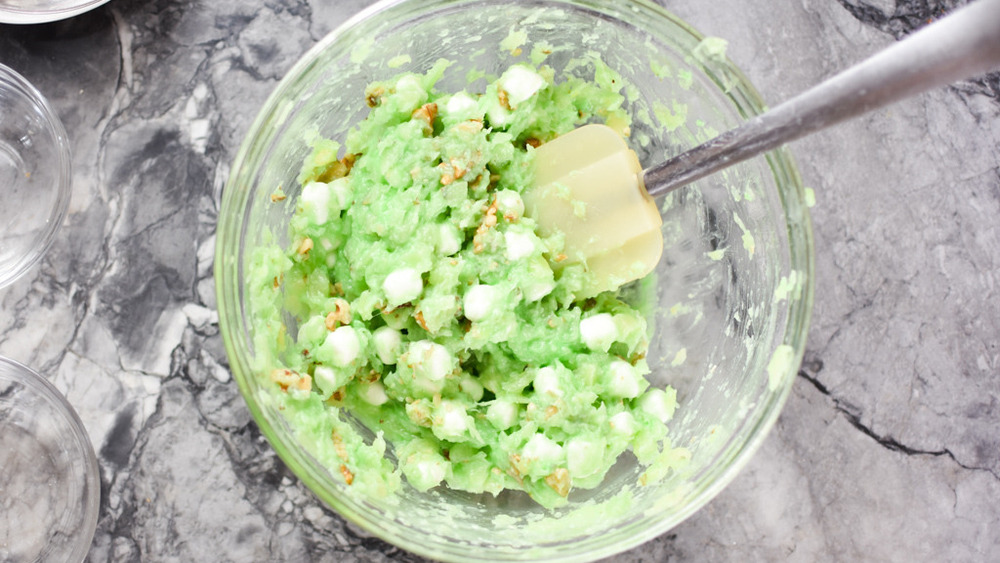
x=417, y=299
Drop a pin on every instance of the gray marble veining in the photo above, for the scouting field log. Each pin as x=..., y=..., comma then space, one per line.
x=888, y=449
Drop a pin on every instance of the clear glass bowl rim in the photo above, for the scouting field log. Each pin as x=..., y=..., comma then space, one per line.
x=63, y=189
x=91, y=510
x=30, y=16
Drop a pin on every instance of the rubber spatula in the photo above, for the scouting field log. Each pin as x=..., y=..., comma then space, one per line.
x=590, y=186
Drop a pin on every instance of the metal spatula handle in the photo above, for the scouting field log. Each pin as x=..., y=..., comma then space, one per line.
x=961, y=45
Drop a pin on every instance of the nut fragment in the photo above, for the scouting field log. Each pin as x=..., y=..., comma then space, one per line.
x=374, y=95
x=419, y=317
x=348, y=476
x=305, y=246
x=341, y=314
x=504, y=99
x=470, y=126
x=338, y=446
x=426, y=113
x=458, y=167
x=559, y=481
x=286, y=378
x=489, y=221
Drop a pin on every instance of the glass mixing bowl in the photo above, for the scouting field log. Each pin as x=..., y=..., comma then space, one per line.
x=49, y=482
x=733, y=290
x=42, y=11
x=34, y=175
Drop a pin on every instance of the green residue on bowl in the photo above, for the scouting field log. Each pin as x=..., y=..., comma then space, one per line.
x=398, y=61
x=748, y=241
x=661, y=68
x=789, y=286
x=779, y=366
x=711, y=49
x=514, y=40
x=685, y=78
x=541, y=51
x=679, y=358
x=361, y=50
x=810, y=197
x=670, y=118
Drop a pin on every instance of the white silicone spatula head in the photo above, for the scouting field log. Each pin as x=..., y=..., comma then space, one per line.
x=590, y=186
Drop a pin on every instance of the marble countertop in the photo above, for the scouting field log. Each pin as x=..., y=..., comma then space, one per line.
x=888, y=448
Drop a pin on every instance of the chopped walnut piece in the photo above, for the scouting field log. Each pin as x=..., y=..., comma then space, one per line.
x=338, y=446
x=341, y=314
x=533, y=142
x=348, y=476
x=504, y=99
x=419, y=317
x=305, y=246
x=349, y=160
x=286, y=378
x=426, y=113
x=278, y=196
x=470, y=126
x=489, y=221
x=447, y=175
x=559, y=481
x=458, y=167
x=373, y=95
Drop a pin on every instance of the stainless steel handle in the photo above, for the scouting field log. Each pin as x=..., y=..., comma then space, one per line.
x=958, y=46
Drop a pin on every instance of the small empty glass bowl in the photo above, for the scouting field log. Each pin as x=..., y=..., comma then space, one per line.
x=41, y=11
x=49, y=485
x=34, y=174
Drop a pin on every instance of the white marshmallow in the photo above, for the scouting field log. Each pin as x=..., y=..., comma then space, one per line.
x=448, y=240
x=519, y=244
x=388, y=344
x=541, y=448
x=657, y=403
x=622, y=423
x=502, y=414
x=402, y=286
x=344, y=345
x=326, y=378
x=315, y=201
x=584, y=457
x=546, y=382
x=509, y=205
x=479, y=301
x=460, y=105
x=520, y=83
x=430, y=360
x=598, y=332
x=450, y=421
x=623, y=381
x=374, y=393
